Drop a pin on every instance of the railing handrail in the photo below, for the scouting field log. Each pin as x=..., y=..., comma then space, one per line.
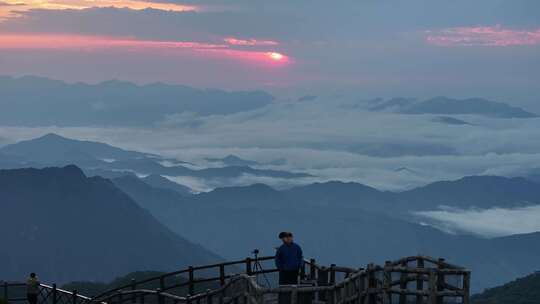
x=217, y=266
x=360, y=273
x=375, y=279
x=45, y=286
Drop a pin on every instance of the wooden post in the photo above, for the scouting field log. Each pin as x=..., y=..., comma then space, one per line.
x=222, y=274
x=74, y=297
x=372, y=284
x=387, y=282
x=133, y=287
x=191, y=281
x=332, y=274
x=53, y=295
x=248, y=266
x=403, y=285
x=162, y=283
x=419, y=281
x=432, y=287
x=322, y=280
x=6, y=292
x=312, y=269
x=440, y=280
x=361, y=288
x=303, y=271
x=466, y=288
x=159, y=296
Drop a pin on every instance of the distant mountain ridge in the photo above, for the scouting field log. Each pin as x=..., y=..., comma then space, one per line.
x=364, y=223
x=449, y=106
x=102, y=159
x=113, y=103
x=51, y=147
x=66, y=226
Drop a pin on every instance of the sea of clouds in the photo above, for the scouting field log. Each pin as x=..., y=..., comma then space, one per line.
x=337, y=138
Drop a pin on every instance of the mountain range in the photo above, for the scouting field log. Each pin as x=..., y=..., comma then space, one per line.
x=364, y=223
x=449, y=106
x=360, y=223
x=104, y=160
x=65, y=226
x=113, y=103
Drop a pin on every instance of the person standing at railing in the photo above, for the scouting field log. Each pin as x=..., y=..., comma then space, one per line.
x=289, y=259
x=32, y=289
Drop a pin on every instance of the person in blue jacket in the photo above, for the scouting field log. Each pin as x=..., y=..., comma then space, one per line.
x=289, y=259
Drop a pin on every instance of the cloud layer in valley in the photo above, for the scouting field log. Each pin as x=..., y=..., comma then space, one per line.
x=333, y=138
x=494, y=222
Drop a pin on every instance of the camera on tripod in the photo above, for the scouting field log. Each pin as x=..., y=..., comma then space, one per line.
x=258, y=268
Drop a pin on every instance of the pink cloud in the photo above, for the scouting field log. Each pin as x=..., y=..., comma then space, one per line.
x=493, y=36
x=249, y=42
x=86, y=43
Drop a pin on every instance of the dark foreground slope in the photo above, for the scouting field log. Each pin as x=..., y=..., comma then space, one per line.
x=65, y=226
x=525, y=290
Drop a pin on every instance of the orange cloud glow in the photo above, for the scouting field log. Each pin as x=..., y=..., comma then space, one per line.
x=12, y=8
x=85, y=43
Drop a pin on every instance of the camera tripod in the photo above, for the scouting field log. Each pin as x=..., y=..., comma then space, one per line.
x=258, y=269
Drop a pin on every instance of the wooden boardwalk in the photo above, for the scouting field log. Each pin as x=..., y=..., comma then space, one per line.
x=417, y=279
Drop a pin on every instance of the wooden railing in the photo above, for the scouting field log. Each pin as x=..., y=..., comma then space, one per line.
x=16, y=292
x=418, y=279
x=194, y=279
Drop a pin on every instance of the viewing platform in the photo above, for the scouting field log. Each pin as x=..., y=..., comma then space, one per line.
x=416, y=279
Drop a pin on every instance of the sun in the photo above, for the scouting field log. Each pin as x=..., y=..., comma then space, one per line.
x=276, y=56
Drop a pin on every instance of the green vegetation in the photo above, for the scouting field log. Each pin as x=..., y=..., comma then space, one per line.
x=521, y=291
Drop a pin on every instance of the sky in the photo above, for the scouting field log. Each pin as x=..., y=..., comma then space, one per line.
x=342, y=51
x=421, y=48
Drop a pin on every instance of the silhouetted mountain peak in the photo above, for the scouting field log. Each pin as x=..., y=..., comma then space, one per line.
x=68, y=173
x=61, y=218
x=51, y=136
x=54, y=149
x=337, y=185
x=73, y=171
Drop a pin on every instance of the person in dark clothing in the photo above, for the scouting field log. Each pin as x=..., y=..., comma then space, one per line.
x=32, y=289
x=289, y=259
